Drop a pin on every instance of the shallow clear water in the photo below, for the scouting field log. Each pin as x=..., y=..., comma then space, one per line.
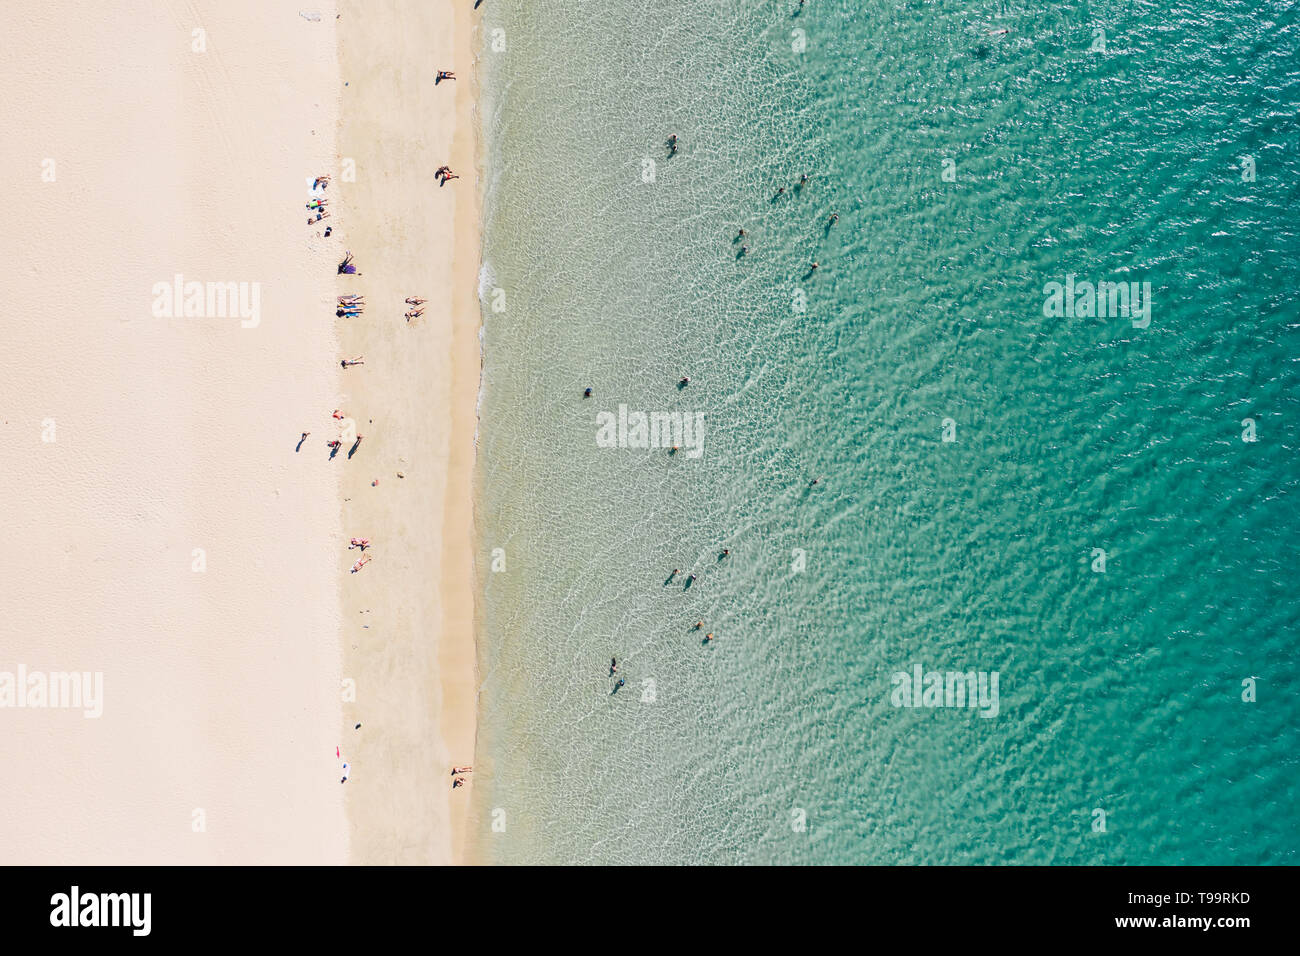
x=1119, y=691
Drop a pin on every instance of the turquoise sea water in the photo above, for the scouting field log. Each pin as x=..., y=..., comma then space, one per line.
x=1119, y=691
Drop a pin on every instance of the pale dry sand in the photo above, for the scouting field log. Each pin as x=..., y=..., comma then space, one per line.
x=414, y=401
x=175, y=436
x=172, y=436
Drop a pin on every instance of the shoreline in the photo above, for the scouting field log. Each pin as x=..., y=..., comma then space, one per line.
x=409, y=644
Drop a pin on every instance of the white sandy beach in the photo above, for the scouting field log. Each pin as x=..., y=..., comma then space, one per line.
x=165, y=530
x=414, y=400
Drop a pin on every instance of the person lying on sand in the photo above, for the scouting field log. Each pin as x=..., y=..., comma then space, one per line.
x=359, y=360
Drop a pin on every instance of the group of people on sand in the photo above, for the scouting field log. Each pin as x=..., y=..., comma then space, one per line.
x=457, y=776
x=350, y=305
x=444, y=175
x=317, y=204
x=361, y=543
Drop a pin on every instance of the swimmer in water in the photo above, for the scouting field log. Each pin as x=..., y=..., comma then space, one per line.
x=708, y=637
x=586, y=393
x=613, y=666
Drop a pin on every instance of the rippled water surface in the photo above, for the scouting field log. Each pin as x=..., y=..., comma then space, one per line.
x=1121, y=690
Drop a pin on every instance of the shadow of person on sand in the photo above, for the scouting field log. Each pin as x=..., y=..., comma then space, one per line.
x=298, y=448
x=353, y=450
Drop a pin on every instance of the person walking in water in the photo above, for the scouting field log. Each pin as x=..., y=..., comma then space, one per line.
x=613, y=666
